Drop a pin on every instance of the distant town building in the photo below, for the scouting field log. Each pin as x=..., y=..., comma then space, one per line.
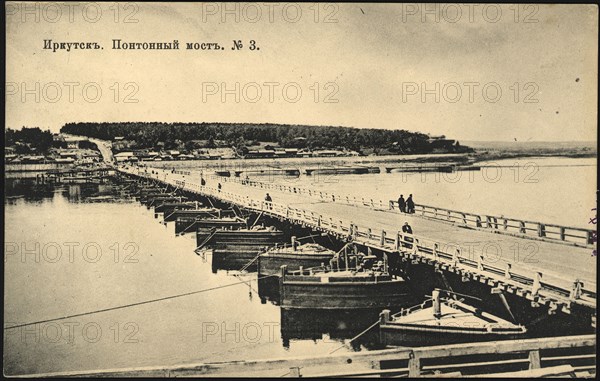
x=125, y=156
x=33, y=159
x=327, y=153
x=72, y=143
x=71, y=154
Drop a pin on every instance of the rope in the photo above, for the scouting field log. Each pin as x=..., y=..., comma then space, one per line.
x=132, y=304
x=170, y=214
x=206, y=240
x=249, y=263
x=211, y=203
x=356, y=337
x=410, y=308
x=187, y=227
x=257, y=218
x=239, y=276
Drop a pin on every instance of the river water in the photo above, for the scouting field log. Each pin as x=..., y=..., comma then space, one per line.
x=66, y=256
x=551, y=190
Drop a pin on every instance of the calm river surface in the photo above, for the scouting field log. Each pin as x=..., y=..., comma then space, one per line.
x=66, y=256
x=552, y=190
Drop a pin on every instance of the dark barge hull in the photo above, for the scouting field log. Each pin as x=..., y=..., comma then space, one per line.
x=341, y=170
x=270, y=263
x=415, y=336
x=144, y=197
x=234, y=249
x=444, y=168
x=342, y=294
x=248, y=237
x=203, y=226
x=235, y=258
x=198, y=214
x=169, y=207
x=143, y=192
x=149, y=202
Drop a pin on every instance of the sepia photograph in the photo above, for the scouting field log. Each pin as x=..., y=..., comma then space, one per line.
x=308, y=189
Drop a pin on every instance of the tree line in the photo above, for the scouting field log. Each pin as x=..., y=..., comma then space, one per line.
x=28, y=139
x=171, y=135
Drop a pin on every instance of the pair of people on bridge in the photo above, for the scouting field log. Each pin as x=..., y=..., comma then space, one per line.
x=406, y=206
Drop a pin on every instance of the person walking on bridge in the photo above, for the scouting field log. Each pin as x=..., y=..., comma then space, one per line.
x=269, y=201
x=402, y=204
x=410, y=204
x=407, y=229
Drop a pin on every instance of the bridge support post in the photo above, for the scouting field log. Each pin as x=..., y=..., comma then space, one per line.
x=456, y=256
x=534, y=359
x=590, y=237
x=382, y=239
x=295, y=372
x=414, y=365
x=507, y=271
x=541, y=230
x=416, y=246
x=522, y=227
x=576, y=290
x=536, y=283
x=384, y=316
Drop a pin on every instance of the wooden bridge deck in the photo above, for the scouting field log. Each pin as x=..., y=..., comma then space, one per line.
x=521, y=358
x=561, y=265
x=545, y=256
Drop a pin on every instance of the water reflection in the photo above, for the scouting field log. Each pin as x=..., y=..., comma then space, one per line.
x=268, y=290
x=33, y=190
x=173, y=332
x=337, y=326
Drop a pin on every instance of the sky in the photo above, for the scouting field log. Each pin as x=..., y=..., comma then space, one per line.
x=470, y=72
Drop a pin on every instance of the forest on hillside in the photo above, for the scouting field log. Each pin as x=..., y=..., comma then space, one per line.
x=172, y=135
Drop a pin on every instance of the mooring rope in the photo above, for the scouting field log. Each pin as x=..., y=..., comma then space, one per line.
x=187, y=227
x=133, y=304
x=251, y=261
x=355, y=337
x=206, y=240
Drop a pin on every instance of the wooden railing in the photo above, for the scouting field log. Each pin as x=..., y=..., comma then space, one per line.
x=325, y=196
x=555, y=290
x=528, y=358
x=505, y=224
x=481, y=221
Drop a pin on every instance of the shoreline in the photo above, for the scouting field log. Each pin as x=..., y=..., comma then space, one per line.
x=464, y=160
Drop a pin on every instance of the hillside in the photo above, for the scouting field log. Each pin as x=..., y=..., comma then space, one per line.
x=241, y=136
